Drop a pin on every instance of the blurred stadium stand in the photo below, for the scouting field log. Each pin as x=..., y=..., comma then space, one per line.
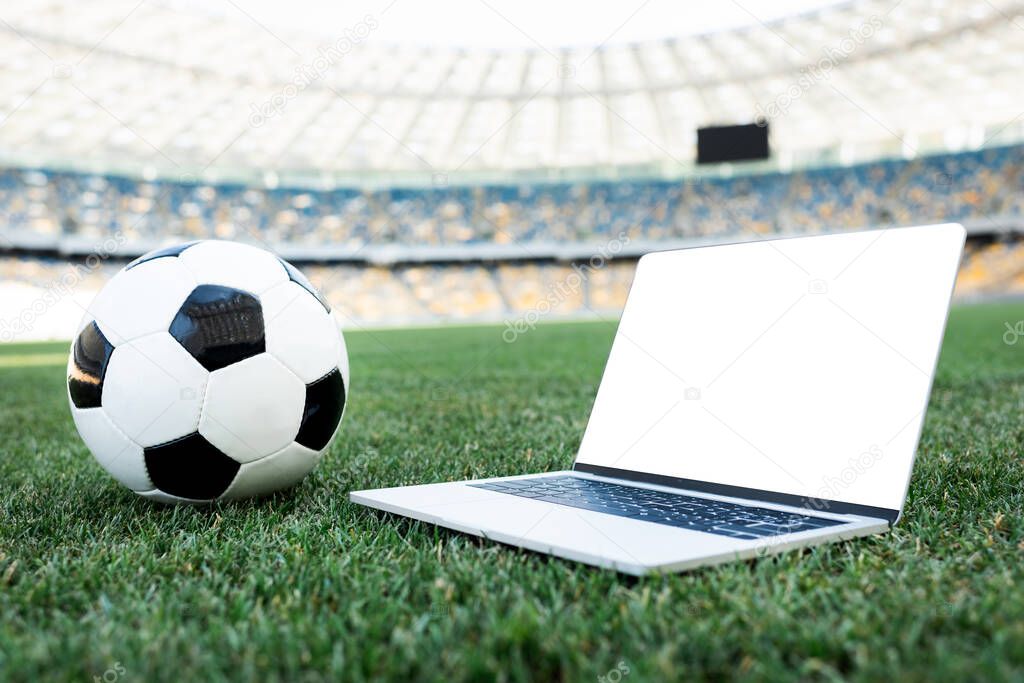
x=424, y=294
x=497, y=253
x=46, y=209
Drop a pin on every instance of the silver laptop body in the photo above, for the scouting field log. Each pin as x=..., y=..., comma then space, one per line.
x=758, y=397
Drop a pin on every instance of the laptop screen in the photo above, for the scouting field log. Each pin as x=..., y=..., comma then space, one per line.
x=799, y=366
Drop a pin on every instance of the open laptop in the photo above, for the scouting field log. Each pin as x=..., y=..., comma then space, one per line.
x=758, y=397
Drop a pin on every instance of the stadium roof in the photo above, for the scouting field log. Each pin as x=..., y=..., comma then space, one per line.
x=146, y=86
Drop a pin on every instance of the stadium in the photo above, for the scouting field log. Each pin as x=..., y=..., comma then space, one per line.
x=474, y=215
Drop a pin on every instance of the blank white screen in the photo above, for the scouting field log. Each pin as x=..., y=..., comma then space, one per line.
x=799, y=366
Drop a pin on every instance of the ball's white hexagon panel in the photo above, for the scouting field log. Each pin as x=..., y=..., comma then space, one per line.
x=253, y=408
x=277, y=471
x=141, y=300
x=342, y=354
x=119, y=455
x=299, y=331
x=153, y=390
x=235, y=265
x=159, y=496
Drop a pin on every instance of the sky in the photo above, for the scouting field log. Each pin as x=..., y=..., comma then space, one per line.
x=504, y=24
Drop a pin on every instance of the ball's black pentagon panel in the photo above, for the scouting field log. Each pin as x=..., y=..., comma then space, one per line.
x=220, y=326
x=190, y=467
x=325, y=401
x=161, y=253
x=296, y=276
x=88, y=367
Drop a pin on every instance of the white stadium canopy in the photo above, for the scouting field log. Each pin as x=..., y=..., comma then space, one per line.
x=166, y=90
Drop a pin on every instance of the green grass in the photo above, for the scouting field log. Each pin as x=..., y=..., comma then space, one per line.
x=306, y=586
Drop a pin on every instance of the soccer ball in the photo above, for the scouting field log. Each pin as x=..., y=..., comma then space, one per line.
x=209, y=370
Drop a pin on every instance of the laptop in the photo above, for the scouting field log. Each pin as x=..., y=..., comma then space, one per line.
x=758, y=397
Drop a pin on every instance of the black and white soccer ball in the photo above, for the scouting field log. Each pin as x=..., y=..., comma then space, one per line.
x=210, y=370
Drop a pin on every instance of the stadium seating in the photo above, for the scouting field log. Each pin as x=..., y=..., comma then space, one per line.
x=992, y=269
x=367, y=296
x=978, y=185
x=985, y=186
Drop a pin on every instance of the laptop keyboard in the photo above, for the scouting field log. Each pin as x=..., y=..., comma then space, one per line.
x=671, y=509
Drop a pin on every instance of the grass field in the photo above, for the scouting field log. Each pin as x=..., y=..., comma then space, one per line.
x=96, y=582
